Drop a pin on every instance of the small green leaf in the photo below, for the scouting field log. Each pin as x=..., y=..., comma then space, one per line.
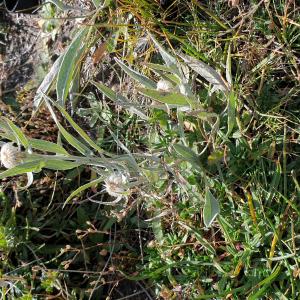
x=211, y=208
x=215, y=157
x=186, y=152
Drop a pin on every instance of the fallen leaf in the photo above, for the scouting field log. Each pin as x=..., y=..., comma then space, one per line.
x=99, y=53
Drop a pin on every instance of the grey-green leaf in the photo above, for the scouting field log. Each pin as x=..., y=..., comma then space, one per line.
x=175, y=99
x=83, y=187
x=169, y=59
x=18, y=133
x=145, y=81
x=207, y=72
x=46, y=83
x=61, y=165
x=47, y=146
x=211, y=208
x=232, y=101
x=32, y=166
x=121, y=100
x=69, y=65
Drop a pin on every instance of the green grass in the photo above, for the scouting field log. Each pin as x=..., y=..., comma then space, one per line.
x=211, y=206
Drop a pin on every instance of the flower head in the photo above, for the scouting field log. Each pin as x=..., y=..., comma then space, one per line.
x=10, y=156
x=116, y=185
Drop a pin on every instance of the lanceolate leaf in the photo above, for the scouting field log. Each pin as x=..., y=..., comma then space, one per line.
x=109, y=93
x=84, y=187
x=32, y=166
x=47, y=146
x=120, y=100
x=207, y=72
x=211, y=208
x=46, y=83
x=17, y=132
x=69, y=64
x=232, y=100
x=79, y=130
x=145, y=81
x=69, y=138
x=169, y=59
x=61, y=165
x=175, y=99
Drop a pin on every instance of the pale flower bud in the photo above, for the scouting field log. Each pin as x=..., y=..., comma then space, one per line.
x=116, y=185
x=164, y=86
x=10, y=156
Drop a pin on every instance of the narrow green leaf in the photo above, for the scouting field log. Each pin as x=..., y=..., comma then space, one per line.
x=121, y=100
x=73, y=141
x=78, y=129
x=265, y=284
x=228, y=66
x=206, y=71
x=46, y=83
x=169, y=59
x=61, y=165
x=145, y=81
x=211, y=208
x=83, y=187
x=175, y=99
x=109, y=93
x=68, y=65
x=69, y=138
x=157, y=67
x=199, y=237
x=32, y=166
x=47, y=146
x=232, y=101
x=20, y=136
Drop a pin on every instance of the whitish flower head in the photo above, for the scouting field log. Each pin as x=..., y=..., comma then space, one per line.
x=164, y=86
x=10, y=156
x=116, y=185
